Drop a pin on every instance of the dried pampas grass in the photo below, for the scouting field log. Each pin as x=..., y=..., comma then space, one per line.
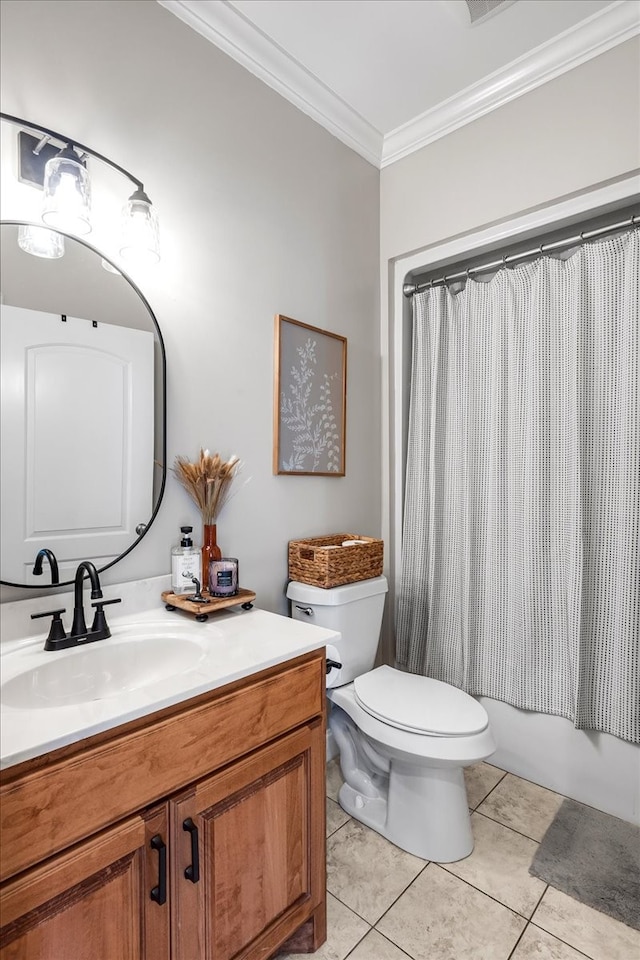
x=207, y=481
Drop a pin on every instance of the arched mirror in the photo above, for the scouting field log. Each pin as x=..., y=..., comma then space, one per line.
x=83, y=411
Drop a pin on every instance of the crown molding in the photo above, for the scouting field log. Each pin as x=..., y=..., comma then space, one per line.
x=593, y=36
x=229, y=30
x=220, y=23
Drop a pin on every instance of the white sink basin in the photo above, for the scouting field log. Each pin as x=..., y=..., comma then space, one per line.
x=104, y=669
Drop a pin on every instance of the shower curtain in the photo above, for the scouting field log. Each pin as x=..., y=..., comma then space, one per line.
x=521, y=542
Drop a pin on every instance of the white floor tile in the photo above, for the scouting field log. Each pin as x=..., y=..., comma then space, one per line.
x=594, y=933
x=336, y=817
x=367, y=872
x=536, y=944
x=522, y=805
x=442, y=918
x=499, y=865
x=376, y=947
x=480, y=779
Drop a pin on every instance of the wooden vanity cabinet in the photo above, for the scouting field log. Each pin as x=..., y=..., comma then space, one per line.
x=91, y=902
x=256, y=827
x=241, y=841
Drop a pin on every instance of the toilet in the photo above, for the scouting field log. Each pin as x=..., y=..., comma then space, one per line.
x=403, y=739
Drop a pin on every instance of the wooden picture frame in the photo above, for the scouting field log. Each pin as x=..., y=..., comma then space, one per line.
x=310, y=399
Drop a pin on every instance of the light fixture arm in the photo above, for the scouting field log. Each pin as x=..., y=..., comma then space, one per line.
x=72, y=143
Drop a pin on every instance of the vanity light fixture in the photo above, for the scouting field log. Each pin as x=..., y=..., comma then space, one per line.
x=140, y=230
x=67, y=193
x=61, y=172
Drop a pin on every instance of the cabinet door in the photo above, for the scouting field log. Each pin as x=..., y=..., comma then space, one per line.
x=249, y=853
x=94, y=901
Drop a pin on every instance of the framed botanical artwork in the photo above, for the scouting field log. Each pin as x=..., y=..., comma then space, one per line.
x=310, y=396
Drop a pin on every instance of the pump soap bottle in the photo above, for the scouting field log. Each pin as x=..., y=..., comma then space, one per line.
x=186, y=562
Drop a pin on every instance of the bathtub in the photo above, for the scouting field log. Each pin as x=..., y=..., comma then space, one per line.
x=594, y=768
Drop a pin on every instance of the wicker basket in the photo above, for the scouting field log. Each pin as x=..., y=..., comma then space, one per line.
x=311, y=562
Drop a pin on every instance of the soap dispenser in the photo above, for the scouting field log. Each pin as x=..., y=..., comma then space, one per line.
x=186, y=562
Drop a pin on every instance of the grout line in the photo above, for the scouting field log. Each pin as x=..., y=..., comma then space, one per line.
x=384, y=913
x=540, y=900
x=403, y=952
x=504, y=774
x=351, y=909
x=507, y=827
x=483, y=892
x=536, y=784
x=338, y=829
x=333, y=832
x=566, y=942
x=403, y=891
x=393, y=944
x=515, y=946
x=356, y=945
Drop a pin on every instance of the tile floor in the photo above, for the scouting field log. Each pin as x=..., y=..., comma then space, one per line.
x=384, y=904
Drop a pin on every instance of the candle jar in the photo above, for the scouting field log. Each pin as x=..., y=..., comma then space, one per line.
x=223, y=577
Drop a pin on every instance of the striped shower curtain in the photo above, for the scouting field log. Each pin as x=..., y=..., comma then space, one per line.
x=521, y=543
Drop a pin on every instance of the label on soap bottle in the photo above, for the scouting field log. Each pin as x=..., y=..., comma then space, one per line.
x=185, y=566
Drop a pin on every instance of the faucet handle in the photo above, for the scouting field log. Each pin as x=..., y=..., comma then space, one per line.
x=99, y=620
x=56, y=630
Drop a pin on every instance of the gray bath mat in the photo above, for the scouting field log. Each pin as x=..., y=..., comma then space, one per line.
x=593, y=858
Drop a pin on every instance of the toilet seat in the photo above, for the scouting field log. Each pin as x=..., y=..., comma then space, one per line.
x=419, y=704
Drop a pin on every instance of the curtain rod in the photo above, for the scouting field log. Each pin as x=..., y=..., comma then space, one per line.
x=409, y=289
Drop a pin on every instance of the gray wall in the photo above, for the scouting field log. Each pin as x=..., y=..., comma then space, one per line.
x=581, y=129
x=262, y=212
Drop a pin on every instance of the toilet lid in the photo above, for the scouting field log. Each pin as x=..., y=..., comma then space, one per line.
x=419, y=704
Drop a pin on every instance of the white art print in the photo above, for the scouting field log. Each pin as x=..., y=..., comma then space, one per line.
x=310, y=396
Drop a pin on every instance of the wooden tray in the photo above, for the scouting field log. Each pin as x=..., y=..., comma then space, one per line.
x=201, y=611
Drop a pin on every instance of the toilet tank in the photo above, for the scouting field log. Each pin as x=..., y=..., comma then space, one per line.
x=355, y=610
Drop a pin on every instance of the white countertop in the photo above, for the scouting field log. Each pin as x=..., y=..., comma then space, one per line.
x=230, y=645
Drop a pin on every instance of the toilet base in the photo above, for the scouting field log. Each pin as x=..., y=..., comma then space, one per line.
x=419, y=803
x=423, y=811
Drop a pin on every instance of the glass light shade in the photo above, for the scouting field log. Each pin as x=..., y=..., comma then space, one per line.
x=67, y=194
x=140, y=231
x=41, y=242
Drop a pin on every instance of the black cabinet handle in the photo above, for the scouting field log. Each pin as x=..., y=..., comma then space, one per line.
x=192, y=872
x=159, y=893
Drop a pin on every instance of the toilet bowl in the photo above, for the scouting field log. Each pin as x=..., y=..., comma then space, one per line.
x=403, y=739
x=417, y=797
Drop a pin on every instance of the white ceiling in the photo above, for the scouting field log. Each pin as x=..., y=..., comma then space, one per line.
x=389, y=76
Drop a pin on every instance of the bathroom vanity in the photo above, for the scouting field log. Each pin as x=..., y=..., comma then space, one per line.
x=187, y=830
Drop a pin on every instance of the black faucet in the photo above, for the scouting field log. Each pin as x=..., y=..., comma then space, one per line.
x=79, y=627
x=53, y=563
x=58, y=639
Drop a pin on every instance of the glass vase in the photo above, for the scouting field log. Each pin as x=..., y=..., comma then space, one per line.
x=210, y=551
